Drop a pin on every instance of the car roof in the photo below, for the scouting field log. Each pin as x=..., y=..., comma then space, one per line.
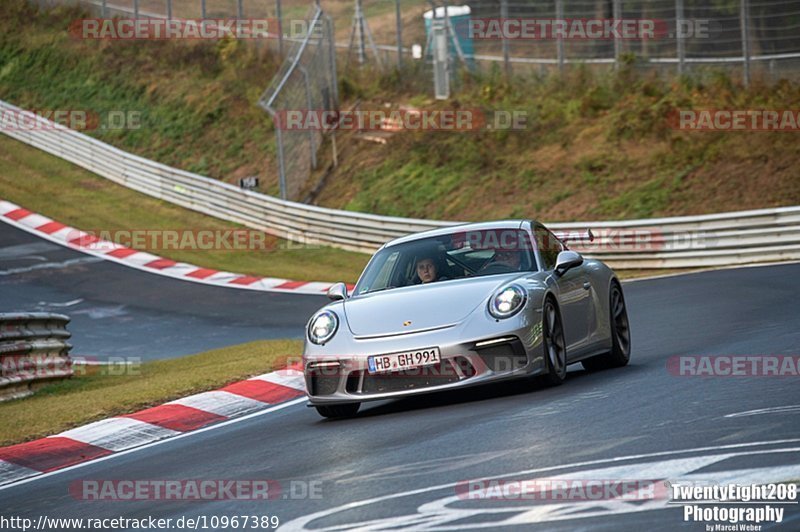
x=479, y=226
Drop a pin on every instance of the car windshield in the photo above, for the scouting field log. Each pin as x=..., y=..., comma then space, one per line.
x=446, y=257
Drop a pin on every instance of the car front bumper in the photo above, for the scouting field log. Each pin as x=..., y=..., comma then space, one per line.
x=498, y=353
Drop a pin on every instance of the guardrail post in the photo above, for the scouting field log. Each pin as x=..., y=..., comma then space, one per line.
x=744, y=17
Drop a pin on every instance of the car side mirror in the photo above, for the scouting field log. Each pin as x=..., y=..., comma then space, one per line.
x=567, y=260
x=337, y=292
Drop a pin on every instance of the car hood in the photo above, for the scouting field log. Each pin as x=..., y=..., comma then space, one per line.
x=421, y=307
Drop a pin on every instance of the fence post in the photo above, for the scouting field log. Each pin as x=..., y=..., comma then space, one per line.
x=506, y=53
x=203, y=9
x=744, y=17
x=279, y=141
x=169, y=9
x=312, y=142
x=617, y=44
x=679, y=35
x=441, y=59
x=560, y=38
x=399, y=34
x=360, y=29
x=135, y=8
x=103, y=10
x=332, y=62
x=334, y=83
x=279, y=16
x=239, y=9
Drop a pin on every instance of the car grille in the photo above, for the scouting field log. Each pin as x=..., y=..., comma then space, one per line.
x=424, y=377
x=322, y=382
x=500, y=358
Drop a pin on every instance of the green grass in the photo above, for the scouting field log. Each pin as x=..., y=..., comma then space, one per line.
x=62, y=191
x=95, y=394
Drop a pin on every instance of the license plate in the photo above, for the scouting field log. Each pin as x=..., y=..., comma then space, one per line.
x=404, y=360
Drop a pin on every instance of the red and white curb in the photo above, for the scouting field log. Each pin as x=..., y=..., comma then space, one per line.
x=116, y=434
x=81, y=241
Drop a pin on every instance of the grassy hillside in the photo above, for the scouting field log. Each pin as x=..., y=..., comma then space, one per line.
x=596, y=145
x=196, y=99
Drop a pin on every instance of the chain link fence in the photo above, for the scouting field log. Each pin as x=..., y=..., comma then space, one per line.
x=306, y=85
x=744, y=35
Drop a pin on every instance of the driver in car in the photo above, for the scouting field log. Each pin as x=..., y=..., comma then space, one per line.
x=508, y=257
x=504, y=260
x=426, y=270
x=430, y=267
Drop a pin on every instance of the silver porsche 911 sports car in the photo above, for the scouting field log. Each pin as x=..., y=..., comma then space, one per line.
x=463, y=306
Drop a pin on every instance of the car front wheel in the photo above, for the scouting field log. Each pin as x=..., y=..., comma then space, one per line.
x=620, y=352
x=555, y=348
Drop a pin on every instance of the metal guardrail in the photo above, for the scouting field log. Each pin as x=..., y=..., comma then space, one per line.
x=682, y=242
x=33, y=351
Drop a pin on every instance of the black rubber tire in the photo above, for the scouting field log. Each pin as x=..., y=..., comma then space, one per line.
x=620, y=353
x=338, y=411
x=555, y=347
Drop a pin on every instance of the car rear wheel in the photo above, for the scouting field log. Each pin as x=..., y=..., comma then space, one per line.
x=555, y=348
x=620, y=352
x=338, y=411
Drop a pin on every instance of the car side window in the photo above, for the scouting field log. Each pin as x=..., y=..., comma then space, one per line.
x=382, y=274
x=549, y=246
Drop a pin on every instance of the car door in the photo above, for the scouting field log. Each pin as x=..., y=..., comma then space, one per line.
x=574, y=293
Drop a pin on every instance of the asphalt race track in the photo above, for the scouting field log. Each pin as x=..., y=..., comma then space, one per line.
x=396, y=464
x=119, y=311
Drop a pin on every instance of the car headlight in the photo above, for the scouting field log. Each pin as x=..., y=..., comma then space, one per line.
x=322, y=327
x=507, y=301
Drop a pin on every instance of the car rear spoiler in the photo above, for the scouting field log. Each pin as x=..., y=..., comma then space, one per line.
x=575, y=236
